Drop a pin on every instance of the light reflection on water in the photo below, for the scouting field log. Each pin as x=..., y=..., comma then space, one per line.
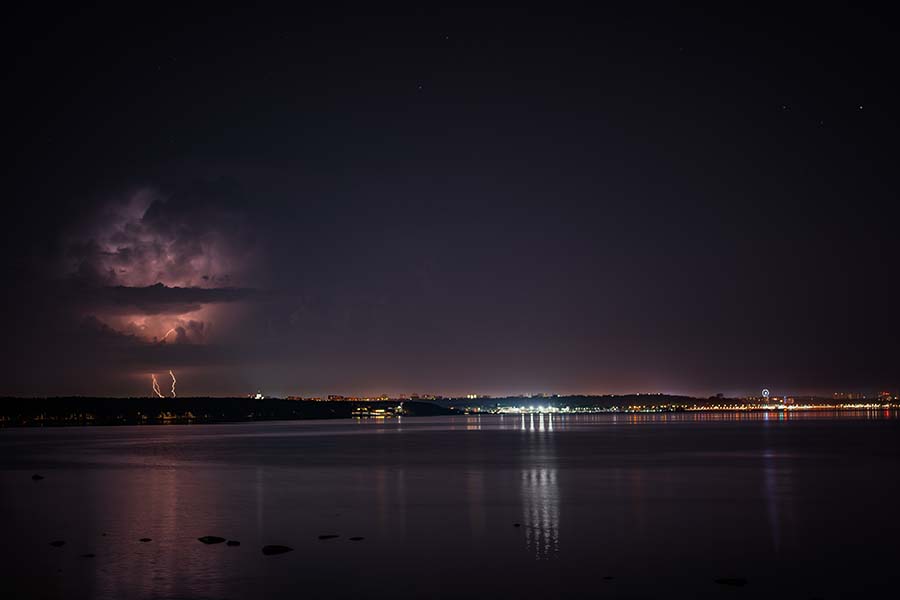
x=540, y=491
x=777, y=483
x=540, y=502
x=433, y=494
x=391, y=500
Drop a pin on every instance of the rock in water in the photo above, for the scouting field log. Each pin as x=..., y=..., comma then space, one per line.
x=36, y=477
x=146, y=540
x=211, y=539
x=517, y=524
x=328, y=536
x=87, y=555
x=232, y=543
x=275, y=549
x=58, y=543
x=357, y=538
x=734, y=581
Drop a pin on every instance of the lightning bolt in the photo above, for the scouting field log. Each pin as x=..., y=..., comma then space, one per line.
x=167, y=334
x=174, y=381
x=156, y=386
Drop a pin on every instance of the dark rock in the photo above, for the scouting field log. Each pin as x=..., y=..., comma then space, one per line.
x=357, y=538
x=733, y=581
x=146, y=540
x=328, y=536
x=276, y=549
x=89, y=555
x=36, y=477
x=58, y=543
x=211, y=539
x=517, y=524
x=232, y=543
x=103, y=534
x=607, y=577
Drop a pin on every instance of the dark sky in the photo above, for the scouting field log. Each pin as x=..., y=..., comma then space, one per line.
x=450, y=202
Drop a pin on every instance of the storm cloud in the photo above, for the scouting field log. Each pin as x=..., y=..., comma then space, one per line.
x=145, y=238
x=160, y=268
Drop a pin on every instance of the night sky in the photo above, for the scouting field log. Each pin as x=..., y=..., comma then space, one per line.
x=444, y=202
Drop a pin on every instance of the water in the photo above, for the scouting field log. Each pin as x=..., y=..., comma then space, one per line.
x=800, y=505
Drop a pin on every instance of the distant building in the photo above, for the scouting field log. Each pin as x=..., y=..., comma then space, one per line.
x=848, y=396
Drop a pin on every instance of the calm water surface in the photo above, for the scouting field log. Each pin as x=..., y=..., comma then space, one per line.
x=800, y=505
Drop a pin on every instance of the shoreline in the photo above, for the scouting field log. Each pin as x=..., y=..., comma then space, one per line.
x=778, y=413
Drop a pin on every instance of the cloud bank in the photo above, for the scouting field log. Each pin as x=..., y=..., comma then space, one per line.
x=160, y=270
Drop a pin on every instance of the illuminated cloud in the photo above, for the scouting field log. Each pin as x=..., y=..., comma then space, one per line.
x=160, y=270
x=146, y=239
